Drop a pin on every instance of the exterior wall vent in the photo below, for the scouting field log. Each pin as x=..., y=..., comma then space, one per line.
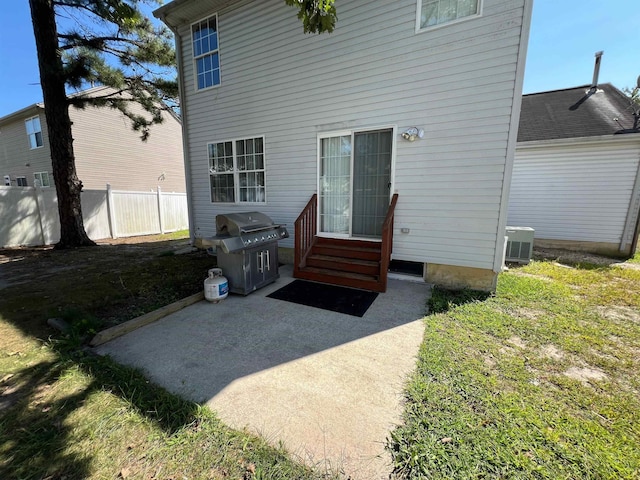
x=519, y=244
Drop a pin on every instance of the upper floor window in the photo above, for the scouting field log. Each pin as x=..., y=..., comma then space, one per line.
x=237, y=171
x=206, y=54
x=41, y=179
x=439, y=12
x=34, y=132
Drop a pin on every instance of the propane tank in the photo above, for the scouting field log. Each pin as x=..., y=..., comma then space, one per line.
x=216, y=286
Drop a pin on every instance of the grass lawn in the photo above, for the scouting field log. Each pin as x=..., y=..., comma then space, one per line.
x=66, y=414
x=541, y=380
x=538, y=381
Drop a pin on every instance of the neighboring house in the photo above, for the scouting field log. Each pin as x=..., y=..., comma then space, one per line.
x=419, y=98
x=576, y=177
x=106, y=150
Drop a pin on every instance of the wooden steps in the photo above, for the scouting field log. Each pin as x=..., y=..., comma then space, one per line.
x=350, y=263
x=347, y=262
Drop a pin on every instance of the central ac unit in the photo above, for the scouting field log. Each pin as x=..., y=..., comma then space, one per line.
x=519, y=244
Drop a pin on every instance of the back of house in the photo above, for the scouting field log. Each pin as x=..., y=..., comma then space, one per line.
x=418, y=98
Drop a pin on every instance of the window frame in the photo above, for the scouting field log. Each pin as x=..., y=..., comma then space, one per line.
x=27, y=124
x=430, y=28
x=38, y=177
x=195, y=57
x=236, y=172
x=20, y=180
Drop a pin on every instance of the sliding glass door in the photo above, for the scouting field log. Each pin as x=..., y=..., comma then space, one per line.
x=354, y=183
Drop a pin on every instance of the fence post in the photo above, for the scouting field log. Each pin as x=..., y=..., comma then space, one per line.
x=112, y=213
x=160, y=211
x=39, y=202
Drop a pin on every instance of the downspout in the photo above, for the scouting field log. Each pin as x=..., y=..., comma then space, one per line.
x=183, y=124
x=513, y=136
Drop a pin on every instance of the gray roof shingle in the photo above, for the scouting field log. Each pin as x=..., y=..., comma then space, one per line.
x=574, y=112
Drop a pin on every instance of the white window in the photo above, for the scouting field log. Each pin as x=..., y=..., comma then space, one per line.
x=237, y=171
x=7, y=181
x=41, y=179
x=34, y=132
x=438, y=12
x=206, y=54
x=21, y=181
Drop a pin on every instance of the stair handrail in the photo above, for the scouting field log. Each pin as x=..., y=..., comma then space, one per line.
x=306, y=230
x=387, y=240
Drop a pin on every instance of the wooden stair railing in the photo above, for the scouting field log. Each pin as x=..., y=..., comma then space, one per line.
x=387, y=241
x=305, y=227
x=354, y=263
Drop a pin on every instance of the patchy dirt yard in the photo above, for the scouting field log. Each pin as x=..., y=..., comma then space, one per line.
x=23, y=264
x=112, y=282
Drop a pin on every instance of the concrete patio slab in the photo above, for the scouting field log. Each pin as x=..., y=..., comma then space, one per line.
x=326, y=384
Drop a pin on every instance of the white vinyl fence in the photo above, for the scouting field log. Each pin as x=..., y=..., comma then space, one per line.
x=29, y=215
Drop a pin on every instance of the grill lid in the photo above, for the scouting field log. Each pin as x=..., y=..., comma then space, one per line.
x=235, y=224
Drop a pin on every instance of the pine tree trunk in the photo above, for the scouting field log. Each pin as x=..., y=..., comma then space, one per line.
x=56, y=109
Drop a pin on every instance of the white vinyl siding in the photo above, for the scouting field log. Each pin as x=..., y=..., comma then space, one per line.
x=158, y=162
x=579, y=192
x=457, y=83
x=34, y=132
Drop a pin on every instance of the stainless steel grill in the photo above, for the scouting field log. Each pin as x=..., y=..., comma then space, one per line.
x=247, y=249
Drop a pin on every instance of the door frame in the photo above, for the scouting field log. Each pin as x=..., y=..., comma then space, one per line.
x=351, y=132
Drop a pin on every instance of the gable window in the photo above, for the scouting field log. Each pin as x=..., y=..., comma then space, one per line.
x=41, y=179
x=34, y=132
x=21, y=181
x=206, y=54
x=237, y=171
x=439, y=12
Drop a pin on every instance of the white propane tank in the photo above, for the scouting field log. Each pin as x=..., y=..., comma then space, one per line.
x=216, y=286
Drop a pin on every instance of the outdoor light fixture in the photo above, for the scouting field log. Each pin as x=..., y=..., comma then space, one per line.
x=412, y=133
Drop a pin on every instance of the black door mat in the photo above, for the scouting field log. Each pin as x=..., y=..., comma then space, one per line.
x=350, y=301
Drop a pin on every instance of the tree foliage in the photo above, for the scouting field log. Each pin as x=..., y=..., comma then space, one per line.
x=318, y=16
x=112, y=43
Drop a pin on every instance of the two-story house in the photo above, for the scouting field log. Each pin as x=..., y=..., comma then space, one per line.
x=395, y=133
x=107, y=150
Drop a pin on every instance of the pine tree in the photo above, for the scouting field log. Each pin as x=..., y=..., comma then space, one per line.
x=115, y=45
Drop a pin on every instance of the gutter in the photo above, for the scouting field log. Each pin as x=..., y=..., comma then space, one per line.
x=21, y=113
x=572, y=141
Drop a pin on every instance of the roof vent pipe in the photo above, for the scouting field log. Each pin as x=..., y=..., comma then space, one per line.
x=596, y=72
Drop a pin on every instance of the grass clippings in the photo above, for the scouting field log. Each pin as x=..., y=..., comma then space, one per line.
x=539, y=381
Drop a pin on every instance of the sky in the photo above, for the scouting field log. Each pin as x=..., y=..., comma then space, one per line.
x=564, y=37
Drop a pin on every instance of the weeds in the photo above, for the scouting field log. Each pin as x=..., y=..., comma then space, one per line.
x=538, y=381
